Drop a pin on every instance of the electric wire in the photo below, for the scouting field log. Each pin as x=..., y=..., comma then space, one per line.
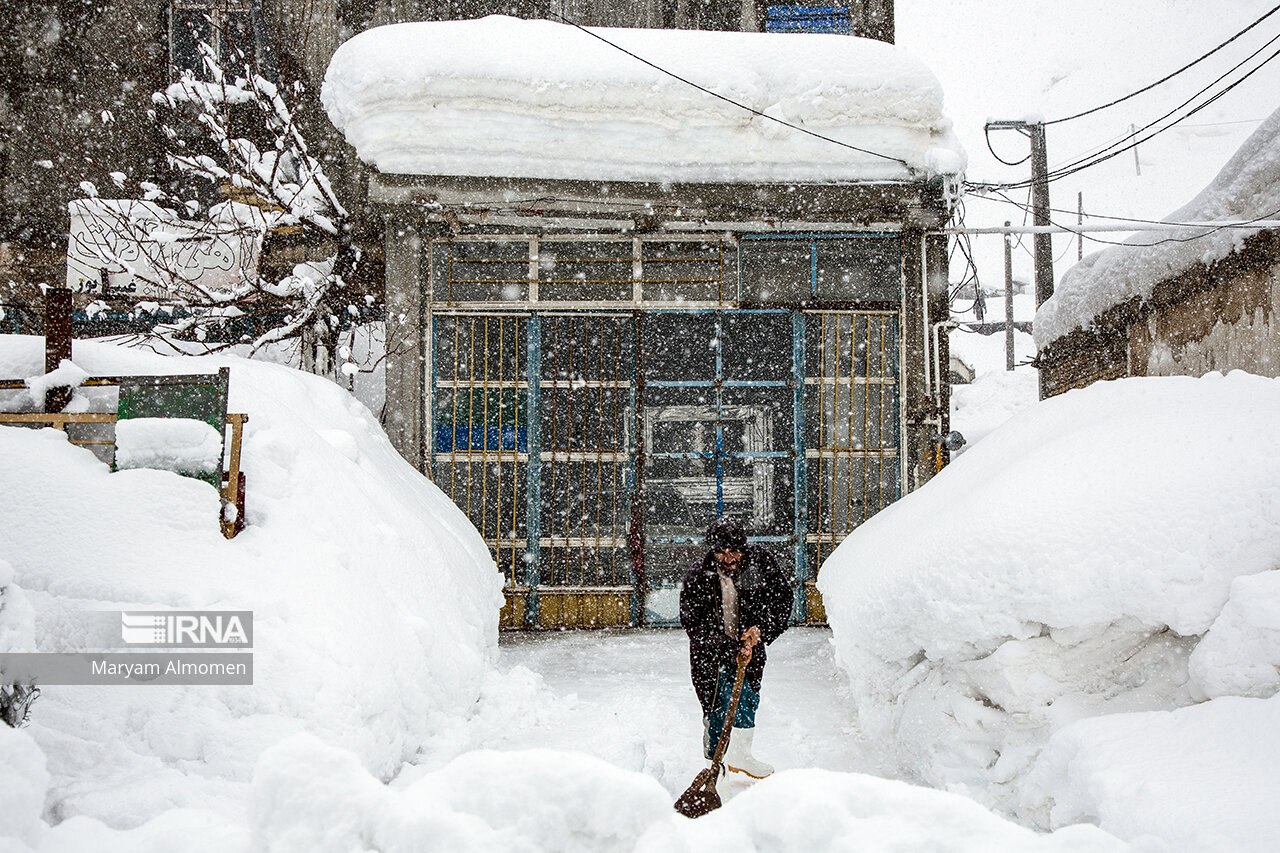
x=1211, y=230
x=1092, y=160
x=1167, y=77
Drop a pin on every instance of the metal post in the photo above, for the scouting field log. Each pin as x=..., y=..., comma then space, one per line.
x=533, y=490
x=800, y=609
x=1008, y=301
x=57, y=343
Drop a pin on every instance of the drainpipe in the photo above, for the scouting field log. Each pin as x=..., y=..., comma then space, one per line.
x=937, y=362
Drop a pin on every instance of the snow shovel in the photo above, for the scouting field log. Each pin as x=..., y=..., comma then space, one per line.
x=701, y=798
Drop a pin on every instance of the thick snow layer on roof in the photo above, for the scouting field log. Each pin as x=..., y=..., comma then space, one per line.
x=516, y=98
x=1109, y=550
x=375, y=602
x=1248, y=187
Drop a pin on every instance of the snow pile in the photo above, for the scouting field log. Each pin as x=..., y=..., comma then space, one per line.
x=23, y=779
x=308, y=797
x=1203, y=778
x=507, y=97
x=1067, y=567
x=1241, y=655
x=170, y=444
x=1247, y=188
x=375, y=602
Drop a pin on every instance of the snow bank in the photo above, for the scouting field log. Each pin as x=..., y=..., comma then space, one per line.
x=1248, y=187
x=375, y=602
x=1066, y=567
x=507, y=97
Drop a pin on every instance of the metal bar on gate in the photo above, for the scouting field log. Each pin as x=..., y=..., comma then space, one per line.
x=835, y=415
x=502, y=377
x=822, y=421
x=636, y=521
x=471, y=406
x=853, y=405
x=453, y=439
x=555, y=440
x=582, y=440
x=515, y=455
x=484, y=437
x=617, y=443
x=800, y=493
x=719, y=427
x=568, y=442
x=867, y=511
x=600, y=448
x=880, y=478
x=533, y=488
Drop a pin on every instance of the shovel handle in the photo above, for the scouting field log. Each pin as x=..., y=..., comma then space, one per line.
x=733, y=710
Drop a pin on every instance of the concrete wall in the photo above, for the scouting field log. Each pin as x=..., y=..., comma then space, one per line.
x=1219, y=317
x=1231, y=327
x=406, y=366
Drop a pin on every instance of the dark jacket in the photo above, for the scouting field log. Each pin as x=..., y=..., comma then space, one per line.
x=764, y=599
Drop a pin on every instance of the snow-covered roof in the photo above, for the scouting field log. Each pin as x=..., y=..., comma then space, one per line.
x=1248, y=187
x=516, y=98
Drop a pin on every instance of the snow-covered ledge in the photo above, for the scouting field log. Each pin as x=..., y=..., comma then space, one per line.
x=534, y=99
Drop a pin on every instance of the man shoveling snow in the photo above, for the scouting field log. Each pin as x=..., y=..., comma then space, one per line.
x=736, y=599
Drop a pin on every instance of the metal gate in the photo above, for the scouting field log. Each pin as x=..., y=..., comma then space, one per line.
x=546, y=427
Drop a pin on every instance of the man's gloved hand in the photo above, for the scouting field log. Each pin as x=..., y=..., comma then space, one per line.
x=750, y=638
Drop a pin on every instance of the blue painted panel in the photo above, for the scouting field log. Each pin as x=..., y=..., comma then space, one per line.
x=450, y=438
x=791, y=18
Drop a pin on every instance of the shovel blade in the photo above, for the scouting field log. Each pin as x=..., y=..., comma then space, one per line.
x=701, y=798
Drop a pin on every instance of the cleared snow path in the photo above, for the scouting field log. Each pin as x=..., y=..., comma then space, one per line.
x=626, y=698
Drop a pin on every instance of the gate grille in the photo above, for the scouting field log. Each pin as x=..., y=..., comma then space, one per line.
x=535, y=435
x=852, y=403
x=587, y=364
x=481, y=418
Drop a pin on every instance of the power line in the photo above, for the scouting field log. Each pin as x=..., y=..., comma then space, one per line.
x=1214, y=228
x=1089, y=161
x=1167, y=77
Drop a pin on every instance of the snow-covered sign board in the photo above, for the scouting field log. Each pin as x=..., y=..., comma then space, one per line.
x=536, y=99
x=121, y=247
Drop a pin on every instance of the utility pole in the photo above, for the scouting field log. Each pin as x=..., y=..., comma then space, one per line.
x=1008, y=300
x=1080, y=221
x=1042, y=243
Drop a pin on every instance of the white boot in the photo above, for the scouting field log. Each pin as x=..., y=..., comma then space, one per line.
x=739, y=759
